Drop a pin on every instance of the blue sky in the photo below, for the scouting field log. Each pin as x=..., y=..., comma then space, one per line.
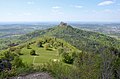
x=60, y=10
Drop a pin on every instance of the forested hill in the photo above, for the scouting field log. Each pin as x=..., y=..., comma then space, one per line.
x=81, y=39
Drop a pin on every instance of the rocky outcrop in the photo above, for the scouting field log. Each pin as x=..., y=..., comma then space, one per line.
x=41, y=75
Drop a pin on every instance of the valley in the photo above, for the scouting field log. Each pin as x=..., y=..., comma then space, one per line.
x=14, y=30
x=111, y=29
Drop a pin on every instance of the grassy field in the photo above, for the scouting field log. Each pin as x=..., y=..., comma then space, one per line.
x=42, y=56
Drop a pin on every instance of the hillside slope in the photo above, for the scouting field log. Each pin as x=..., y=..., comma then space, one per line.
x=81, y=39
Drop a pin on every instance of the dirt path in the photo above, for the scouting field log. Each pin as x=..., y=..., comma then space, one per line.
x=34, y=59
x=41, y=75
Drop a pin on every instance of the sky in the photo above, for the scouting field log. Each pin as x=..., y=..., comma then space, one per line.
x=59, y=10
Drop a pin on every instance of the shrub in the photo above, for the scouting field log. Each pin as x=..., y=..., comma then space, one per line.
x=14, y=66
x=62, y=71
x=11, y=49
x=47, y=46
x=28, y=46
x=60, y=50
x=8, y=55
x=32, y=52
x=67, y=58
x=26, y=69
x=22, y=46
x=18, y=51
x=17, y=62
x=39, y=44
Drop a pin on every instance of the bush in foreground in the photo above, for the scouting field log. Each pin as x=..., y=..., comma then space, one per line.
x=32, y=52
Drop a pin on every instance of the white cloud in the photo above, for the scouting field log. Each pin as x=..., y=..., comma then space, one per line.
x=56, y=7
x=56, y=10
x=77, y=6
x=30, y=2
x=105, y=3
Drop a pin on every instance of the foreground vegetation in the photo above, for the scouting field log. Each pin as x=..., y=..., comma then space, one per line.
x=78, y=66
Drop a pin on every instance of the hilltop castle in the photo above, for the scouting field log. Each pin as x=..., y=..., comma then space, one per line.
x=62, y=24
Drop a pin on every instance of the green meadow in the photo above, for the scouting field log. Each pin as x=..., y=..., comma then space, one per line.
x=42, y=56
